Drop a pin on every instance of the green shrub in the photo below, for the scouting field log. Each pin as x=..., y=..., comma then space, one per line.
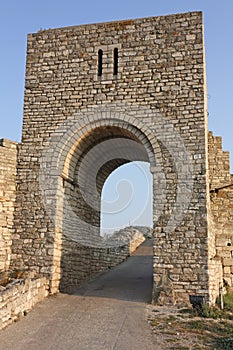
x=227, y=301
x=224, y=343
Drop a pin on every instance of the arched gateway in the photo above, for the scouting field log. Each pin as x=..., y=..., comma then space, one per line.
x=99, y=96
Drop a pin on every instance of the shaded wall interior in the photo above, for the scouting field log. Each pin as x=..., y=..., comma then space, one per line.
x=97, y=155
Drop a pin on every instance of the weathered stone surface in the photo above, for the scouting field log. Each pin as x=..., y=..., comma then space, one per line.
x=8, y=160
x=82, y=121
x=221, y=196
x=19, y=297
x=157, y=93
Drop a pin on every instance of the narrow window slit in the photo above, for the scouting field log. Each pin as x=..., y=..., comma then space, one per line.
x=115, y=68
x=100, y=63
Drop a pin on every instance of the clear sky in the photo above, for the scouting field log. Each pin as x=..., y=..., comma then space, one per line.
x=20, y=17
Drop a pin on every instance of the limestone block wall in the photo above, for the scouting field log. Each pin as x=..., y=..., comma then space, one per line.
x=221, y=196
x=219, y=163
x=20, y=297
x=157, y=98
x=8, y=159
x=216, y=280
x=80, y=263
x=135, y=243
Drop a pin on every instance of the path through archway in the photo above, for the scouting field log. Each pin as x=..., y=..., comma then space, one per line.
x=96, y=156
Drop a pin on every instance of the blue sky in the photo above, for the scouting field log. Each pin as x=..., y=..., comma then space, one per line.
x=18, y=18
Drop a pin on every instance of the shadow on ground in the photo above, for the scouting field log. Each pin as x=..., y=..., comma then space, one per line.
x=131, y=281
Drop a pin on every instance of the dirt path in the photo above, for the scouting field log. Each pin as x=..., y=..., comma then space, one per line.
x=108, y=313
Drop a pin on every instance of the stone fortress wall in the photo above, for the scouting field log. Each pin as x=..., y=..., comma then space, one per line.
x=69, y=109
x=131, y=90
x=8, y=164
x=221, y=199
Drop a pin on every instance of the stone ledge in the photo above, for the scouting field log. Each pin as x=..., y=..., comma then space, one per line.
x=19, y=297
x=8, y=143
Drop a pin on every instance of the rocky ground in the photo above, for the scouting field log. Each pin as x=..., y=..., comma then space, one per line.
x=181, y=329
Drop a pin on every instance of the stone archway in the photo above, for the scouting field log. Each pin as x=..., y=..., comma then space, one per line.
x=157, y=101
x=65, y=164
x=98, y=154
x=81, y=162
x=66, y=177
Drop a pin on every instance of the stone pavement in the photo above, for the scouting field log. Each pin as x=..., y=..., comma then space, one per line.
x=108, y=313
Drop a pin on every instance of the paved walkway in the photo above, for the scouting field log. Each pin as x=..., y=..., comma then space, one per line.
x=107, y=313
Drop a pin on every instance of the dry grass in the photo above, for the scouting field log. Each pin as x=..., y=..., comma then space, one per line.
x=178, y=329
